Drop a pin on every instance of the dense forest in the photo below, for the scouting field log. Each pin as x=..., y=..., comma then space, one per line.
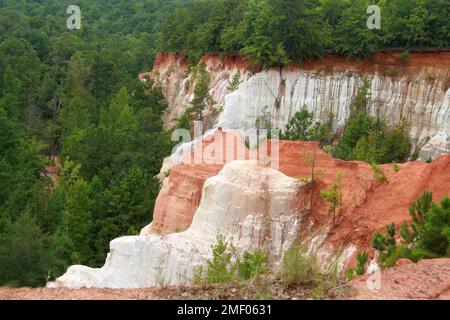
x=74, y=95
x=274, y=32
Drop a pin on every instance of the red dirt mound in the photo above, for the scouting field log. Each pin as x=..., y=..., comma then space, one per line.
x=367, y=206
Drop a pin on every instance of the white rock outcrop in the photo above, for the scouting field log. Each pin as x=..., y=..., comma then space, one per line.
x=253, y=207
x=437, y=145
x=419, y=95
x=423, y=103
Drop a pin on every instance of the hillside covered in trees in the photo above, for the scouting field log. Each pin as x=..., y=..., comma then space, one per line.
x=277, y=32
x=75, y=95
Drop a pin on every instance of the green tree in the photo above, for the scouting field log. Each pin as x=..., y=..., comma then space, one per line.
x=77, y=214
x=397, y=144
x=434, y=234
x=24, y=253
x=427, y=236
x=298, y=128
x=118, y=115
x=219, y=267
x=11, y=98
x=302, y=128
x=369, y=149
x=76, y=115
x=333, y=195
x=201, y=92
x=352, y=37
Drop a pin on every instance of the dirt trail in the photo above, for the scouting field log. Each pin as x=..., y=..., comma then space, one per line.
x=426, y=280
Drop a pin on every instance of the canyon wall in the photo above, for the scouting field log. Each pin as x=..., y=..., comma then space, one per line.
x=257, y=207
x=256, y=204
x=416, y=91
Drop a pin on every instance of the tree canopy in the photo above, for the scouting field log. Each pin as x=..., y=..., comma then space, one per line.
x=276, y=32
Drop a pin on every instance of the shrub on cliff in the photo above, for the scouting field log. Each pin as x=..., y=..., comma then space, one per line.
x=378, y=174
x=427, y=236
x=369, y=139
x=302, y=128
x=404, y=57
x=201, y=92
x=234, y=83
x=299, y=268
x=333, y=195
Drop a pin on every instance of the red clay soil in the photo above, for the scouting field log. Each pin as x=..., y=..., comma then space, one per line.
x=367, y=206
x=426, y=280
x=381, y=62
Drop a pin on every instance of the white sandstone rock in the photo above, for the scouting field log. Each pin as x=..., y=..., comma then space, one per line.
x=254, y=207
x=422, y=100
x=437, y=145
x=422, y=103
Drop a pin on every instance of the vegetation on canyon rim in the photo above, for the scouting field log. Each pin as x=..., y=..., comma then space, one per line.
x=276, y=32
x=76, y=95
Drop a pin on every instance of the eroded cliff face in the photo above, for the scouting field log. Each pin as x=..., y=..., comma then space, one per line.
x=253, y=207
x=416, y=91
x=265, y=200
x=257, y=207
x=367, y=206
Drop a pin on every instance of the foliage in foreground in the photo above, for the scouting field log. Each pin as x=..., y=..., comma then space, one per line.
x=361, y=265
x=226, y=265
x=300, y=268
x=426, y=237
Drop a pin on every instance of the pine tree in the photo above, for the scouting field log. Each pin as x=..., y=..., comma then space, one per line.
x=201, y=92
x=333, y=195
x=118, y=115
